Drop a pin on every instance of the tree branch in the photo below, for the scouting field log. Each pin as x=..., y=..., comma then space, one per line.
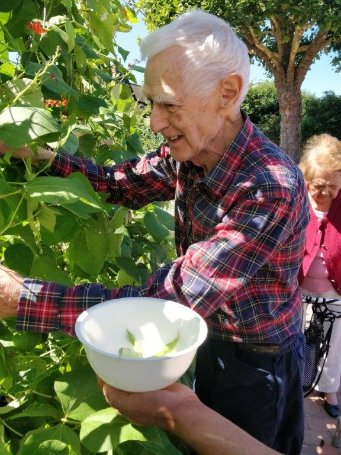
x=294, y=50
x=321, y=41
x=258, y=48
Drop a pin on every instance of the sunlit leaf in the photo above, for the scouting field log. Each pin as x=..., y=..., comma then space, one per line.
x=20, y=125
x=58, y=440
x=58, y=190
x=79, y=394
x=105, y=429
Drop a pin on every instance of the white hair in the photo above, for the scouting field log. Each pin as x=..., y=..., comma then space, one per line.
x=212, y=50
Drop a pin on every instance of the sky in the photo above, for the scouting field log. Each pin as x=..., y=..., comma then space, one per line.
x=320, y=78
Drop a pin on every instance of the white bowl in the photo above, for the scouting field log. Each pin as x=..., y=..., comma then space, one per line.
x=103, y=330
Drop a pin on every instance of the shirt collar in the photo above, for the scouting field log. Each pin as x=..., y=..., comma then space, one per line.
x=224, y=171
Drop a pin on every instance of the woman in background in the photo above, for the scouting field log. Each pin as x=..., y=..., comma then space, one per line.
x=320, y=274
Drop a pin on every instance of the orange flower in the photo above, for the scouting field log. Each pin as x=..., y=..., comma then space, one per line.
x=56, y=103
x=36, y=27
x=51, y=103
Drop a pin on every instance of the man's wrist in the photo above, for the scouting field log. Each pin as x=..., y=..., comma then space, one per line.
x=46, y=153
x=184, y=413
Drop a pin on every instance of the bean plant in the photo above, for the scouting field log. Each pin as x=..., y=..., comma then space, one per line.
x=64, y=83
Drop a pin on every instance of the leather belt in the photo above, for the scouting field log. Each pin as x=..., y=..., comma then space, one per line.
x=257, y=348
x=261, y=348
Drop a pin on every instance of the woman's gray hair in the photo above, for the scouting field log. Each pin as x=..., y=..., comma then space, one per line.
x=212, y=50
x=322, y=152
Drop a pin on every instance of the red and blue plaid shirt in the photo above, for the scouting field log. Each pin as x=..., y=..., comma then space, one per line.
x=239, y=235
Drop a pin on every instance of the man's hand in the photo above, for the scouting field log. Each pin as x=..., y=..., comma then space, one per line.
x=25, y=152
x=150, y=408
x=10, y=287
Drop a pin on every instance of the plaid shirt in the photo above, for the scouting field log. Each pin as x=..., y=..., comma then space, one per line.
x=239, y=236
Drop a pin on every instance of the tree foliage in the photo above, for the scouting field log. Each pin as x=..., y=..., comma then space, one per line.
x=321, y=115
x=285, y=37
x=261, y=104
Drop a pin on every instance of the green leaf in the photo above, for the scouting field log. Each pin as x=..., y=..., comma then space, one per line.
x=26, y=341
x=134, y=142
x=8, y=69
x=71, y=35
x=64, y=191
x=21, y=125
x=80, y=210
x=79, y=394
x=119, y=218
x=53, y=80
x=58, y=440
x=4, y=446
x=165, y=218
x=37, y=410
x=87, y=144
x=124, y=279
x=89, y=250
x=80, y=57
x=66, y=228
x=86, y=105
x=70, y=143
x=24, y=12
x=12, y=88
x=4, y=371
x=11, y=406
x=19, y=257
x=165, y=447
x=157, y=230
x=47, y=218
x=114, y=245
x=129, y=266
x=48, y=44
x=103, y=28
x=106, y=429
x=45, y=268
x=9, y=5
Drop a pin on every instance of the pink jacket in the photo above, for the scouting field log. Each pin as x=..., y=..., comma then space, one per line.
x=329, y=237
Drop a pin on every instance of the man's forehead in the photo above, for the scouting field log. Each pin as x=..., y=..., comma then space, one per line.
x=163, y=76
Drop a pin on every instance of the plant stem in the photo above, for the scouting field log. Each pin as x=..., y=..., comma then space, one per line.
x=36, y=78
x=9, y=225
x=10, y=428
x=41, y=394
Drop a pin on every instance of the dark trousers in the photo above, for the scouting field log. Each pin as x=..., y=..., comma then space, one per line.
x=260, y=392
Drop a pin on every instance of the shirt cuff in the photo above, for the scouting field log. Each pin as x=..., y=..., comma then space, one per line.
x=39, y=307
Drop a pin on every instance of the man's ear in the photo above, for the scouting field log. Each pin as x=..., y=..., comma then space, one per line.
x=230, y=89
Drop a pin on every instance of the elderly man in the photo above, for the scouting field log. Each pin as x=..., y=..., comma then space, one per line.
x=240, y=211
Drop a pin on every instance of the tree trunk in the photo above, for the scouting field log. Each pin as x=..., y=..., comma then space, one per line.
x=290, y=106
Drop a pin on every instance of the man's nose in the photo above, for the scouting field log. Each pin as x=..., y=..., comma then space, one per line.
x=158, y=118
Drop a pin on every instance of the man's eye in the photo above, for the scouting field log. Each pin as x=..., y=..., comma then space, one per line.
x=170, y=107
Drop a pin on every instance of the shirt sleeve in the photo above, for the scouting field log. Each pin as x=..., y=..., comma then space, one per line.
x=133, y=183
x=208, y=274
